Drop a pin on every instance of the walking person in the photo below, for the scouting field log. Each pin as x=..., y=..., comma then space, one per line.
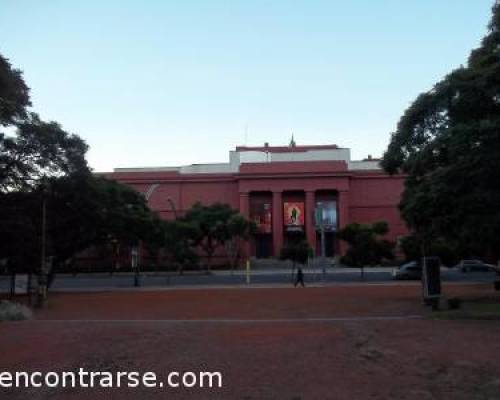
x=300, y=278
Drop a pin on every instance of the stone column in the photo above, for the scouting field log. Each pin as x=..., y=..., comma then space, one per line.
x=277, y=219
x=245, y=211
x=343, y=200
x=309, y=219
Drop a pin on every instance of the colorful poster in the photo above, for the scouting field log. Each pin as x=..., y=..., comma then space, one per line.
x=261, y=216
x=293, y=214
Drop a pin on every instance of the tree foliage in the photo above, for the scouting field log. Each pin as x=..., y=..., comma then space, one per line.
x=39, y=150
x=82, y=211
x=239, y=230
x=366, y=245
x=413, y=249
x=14, y=94
x=214, y=225
x=448, y=145
x=178, y=244
x=41, y=163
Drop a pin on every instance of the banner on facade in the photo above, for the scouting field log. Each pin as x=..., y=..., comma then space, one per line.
x=325, y=215
x=293, y=215
x=261, y=215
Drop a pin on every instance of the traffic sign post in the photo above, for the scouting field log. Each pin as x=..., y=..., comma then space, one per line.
x=431, y=281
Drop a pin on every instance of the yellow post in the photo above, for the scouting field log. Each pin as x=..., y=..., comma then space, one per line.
x=248, y=272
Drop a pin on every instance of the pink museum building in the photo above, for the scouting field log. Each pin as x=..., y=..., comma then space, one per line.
x=287, y=190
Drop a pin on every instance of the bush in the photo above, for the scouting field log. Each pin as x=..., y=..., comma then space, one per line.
x=297, y=252
x=14, y=311
x=366, y=247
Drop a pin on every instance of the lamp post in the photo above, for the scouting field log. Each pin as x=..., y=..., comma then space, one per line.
x=134, y=253
x=320, y=223
x=134, y=258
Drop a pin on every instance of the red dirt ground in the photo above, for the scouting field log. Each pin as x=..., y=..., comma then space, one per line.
x=288, y=358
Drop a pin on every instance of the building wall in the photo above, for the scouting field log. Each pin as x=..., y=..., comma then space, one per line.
x=376, y=197
x=363, y=193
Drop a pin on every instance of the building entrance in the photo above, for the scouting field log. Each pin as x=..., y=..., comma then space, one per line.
x=263, y=246
x=329, y=244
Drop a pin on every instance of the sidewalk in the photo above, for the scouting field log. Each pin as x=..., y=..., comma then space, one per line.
x=306, y=270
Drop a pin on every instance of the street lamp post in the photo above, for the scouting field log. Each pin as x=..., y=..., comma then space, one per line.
x=134, y=255
x=135, y=265
x=320, y=223
x=40, y=293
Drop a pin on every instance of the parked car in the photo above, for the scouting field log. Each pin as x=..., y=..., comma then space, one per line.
x=409, y=270
x=474, y=266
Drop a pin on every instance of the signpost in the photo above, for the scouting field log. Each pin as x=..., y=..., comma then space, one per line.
x=431, y=280
x=248, y=272
x=135, y=265
x=21, y=284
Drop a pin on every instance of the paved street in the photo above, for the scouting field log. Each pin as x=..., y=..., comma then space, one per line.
x=258, y=277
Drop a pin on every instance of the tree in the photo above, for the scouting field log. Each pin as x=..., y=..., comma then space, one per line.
x=448, y=145
x=82, y=211
x=36, y=149
x=239, y=230
x=411, y=246
x=212, y=227
x=43, y=167
x=39, y=150
x=90, y=210
x=178, y=244
x=365, y=245
x=14, y=94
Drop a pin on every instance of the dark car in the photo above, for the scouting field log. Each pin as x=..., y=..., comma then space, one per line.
x=409, y=270
x=474, y=266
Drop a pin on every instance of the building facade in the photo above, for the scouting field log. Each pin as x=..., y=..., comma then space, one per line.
x=289, y=191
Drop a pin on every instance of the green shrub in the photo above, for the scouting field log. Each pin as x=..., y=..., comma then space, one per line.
x=297, y=252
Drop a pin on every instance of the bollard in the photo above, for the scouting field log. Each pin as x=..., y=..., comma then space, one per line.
x=248, y=272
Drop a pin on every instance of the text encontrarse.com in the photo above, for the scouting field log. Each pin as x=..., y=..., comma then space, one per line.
x=104, y=379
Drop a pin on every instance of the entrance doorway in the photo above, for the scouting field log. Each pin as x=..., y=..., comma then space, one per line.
x=263, y=246
x=329, y=244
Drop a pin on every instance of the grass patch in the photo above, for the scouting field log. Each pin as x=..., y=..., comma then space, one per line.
x=10, y=311
x=481, y=311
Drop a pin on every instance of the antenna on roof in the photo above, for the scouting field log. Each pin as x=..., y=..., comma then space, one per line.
x=292, y=141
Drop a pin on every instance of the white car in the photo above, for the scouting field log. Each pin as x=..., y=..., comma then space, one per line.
x=475, y=265
x=410, y=270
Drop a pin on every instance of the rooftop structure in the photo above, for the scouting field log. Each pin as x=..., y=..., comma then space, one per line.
x=269, y=154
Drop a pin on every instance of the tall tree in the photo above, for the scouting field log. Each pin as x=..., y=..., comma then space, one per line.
x=239, y=230
x=14, y=94
x=37, y=151
x=178, y=244
x=43, y=167
x=366, y=244
x=82, y=211
x=448, y=145
x=213, y=227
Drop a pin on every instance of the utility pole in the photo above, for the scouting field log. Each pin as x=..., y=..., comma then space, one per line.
x=41, y=289
x=135, y=265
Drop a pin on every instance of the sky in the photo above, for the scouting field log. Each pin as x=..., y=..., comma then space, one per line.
x=166, y=83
